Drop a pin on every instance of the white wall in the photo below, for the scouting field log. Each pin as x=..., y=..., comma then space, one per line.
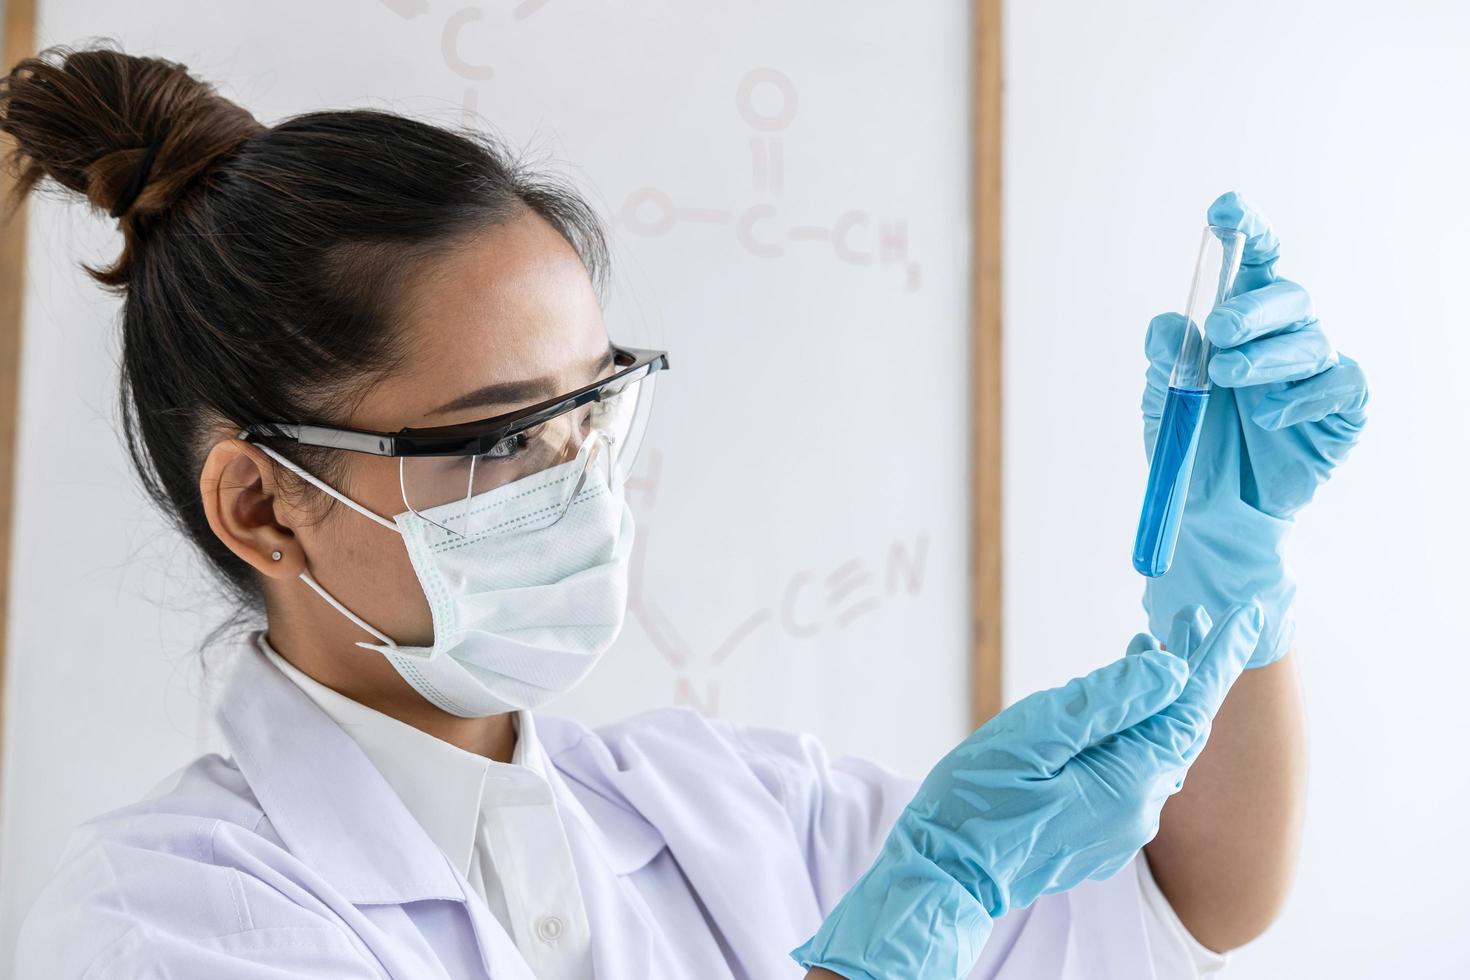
x=801, y=499
x=1347, y=123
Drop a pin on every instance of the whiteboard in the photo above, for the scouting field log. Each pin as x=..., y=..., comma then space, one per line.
x=786, y=186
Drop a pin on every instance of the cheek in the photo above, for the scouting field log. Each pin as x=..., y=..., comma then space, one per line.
x=372, y=562
x=376, y=565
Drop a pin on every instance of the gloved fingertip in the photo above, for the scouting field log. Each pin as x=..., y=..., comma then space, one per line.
x=1227, y=210
x=1223, y=326
x=1187, y=632
x=1141, y=643
x=1193, y=613
x=1228, y=368
x=1244, y=615
x=1233, y=210
x=1161, y=340
x=1246, y=622
x=1228, y=648
x=1169, y=671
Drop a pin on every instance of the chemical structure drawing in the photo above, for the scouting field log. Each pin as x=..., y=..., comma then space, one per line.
x=805, y=606
x=451, y=44
x=766, y=100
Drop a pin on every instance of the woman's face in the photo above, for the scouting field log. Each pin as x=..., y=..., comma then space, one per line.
x=506, y=321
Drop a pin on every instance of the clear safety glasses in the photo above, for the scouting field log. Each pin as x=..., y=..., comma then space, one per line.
x=517, y=471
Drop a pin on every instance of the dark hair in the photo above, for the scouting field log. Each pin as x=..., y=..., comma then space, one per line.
x=259, y=263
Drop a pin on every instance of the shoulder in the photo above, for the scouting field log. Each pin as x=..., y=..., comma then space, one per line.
x=137, y=877
x=677, y=736
x=839, y=809
x=178, y=817
x=787, y=763
x=672, y=726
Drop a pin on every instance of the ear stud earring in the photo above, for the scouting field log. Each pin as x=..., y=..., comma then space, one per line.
x=275, y=556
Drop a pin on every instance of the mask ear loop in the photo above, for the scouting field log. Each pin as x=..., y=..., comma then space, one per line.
x=305, y=575
x=330, y=491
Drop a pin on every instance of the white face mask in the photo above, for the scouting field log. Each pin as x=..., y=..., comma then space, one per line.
x=520, y=616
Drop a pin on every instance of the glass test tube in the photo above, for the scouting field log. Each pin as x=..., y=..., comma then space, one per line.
x=1184, y=405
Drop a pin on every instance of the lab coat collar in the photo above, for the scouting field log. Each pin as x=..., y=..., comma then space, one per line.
x=335, y=811
x=442, y=785
x=328, y=803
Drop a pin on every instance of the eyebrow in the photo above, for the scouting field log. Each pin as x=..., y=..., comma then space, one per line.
x=507, y=392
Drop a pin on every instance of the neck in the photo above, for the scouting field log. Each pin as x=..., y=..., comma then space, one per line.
x=323, y=649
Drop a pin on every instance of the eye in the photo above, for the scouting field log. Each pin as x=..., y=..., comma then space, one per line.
x=507, y=448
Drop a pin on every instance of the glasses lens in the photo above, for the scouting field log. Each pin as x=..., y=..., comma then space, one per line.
x=527, y=480
x=623, y=418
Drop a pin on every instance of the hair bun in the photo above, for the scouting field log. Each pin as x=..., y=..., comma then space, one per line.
x=128, y=133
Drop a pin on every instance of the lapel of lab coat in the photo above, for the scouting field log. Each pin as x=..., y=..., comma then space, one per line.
x=609, y=842
x=335, y=811
x=732, y=840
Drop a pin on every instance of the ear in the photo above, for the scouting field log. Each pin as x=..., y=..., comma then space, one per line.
x=240, y=495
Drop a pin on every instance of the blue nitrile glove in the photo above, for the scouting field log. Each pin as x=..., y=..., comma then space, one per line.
x=1285, y=408
x=1064, y=785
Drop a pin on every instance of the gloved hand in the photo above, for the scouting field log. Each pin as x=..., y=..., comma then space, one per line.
x=1284, y=410
x=1064, y=785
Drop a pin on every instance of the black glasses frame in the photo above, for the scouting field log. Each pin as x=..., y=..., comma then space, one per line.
x=464, y=438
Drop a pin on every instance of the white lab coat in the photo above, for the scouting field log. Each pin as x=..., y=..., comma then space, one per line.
x=293, y=857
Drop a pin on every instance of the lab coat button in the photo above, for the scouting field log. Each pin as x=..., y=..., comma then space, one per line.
x=548, y=927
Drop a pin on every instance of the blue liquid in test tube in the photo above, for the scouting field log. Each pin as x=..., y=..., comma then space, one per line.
x=1168, y=480
x=1172, y=466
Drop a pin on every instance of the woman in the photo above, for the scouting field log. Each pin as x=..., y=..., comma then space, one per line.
x=357, y=309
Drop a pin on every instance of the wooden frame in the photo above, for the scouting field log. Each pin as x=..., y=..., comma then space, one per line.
x=19, y=42
x=986, y=405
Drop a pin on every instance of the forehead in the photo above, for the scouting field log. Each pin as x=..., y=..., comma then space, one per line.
x=511, y=303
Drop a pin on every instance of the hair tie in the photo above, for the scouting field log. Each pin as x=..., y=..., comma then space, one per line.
x=136, y=185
